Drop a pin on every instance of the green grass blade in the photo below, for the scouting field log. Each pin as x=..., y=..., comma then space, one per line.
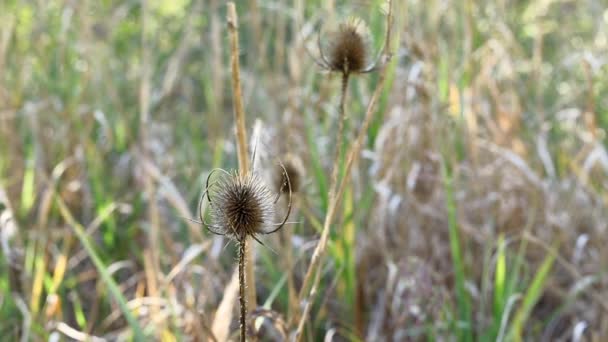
x=499, y=278
x=462, y=298
x=28, y=192
x=531, y=297
x=101, y=268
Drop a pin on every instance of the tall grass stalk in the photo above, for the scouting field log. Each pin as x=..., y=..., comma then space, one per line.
x=532, y=295
x=462, y=299
x=153, y=248
x=246, y=269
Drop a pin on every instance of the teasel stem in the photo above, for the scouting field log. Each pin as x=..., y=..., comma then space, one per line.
x=310, y=283
x=242, y=283
x=340, y=140
x=246, y=270
x=313, y=274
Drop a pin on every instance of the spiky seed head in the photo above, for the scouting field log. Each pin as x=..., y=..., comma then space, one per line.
x=295, y=173
x=348, y=47
x=242, y=206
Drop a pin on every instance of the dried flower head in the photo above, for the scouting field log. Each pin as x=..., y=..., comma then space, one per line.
x=241, y=206
x=347, y=49
x=291, y=171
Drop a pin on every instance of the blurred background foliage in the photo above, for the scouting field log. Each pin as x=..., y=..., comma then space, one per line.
x=477, y=211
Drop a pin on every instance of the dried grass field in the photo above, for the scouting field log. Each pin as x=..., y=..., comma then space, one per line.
x=325, y=170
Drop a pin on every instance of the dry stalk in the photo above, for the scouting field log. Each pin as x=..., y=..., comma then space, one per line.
x=309, y=282
x=242, y=300
x=153, y=247
x=245, y=254
x=237, y=98
x=319, y=251
x=220, y=328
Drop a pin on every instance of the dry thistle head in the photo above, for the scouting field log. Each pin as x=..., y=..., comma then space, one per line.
x=242, y=205
x=291, y=171
x=347, y=49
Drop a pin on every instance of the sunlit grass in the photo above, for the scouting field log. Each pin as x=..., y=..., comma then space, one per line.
x=476, y=209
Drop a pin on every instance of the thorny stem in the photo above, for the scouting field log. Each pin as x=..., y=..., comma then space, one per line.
x=310, y=284
x=333, y=186
x=340, y=141
x=242, y=286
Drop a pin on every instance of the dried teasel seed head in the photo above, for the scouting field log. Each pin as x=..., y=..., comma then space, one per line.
x=348, y=47
x=293, y=172
x=242, y=206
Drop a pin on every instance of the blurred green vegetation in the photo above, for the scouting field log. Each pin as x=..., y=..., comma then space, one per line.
x=472, y=85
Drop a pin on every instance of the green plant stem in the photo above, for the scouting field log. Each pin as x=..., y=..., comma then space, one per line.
x=102, y=269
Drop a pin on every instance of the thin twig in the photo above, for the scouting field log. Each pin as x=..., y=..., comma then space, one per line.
x=220, y=327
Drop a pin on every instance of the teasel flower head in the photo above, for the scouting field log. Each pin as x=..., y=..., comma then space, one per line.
x=241, y=206
x=291, y=171
x=346, y=49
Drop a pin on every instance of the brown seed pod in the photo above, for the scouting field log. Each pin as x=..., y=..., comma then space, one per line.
x=241, y=206
x=291, y=171
x=347, y=49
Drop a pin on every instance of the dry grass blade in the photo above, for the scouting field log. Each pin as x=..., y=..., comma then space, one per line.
x=173, y=196
x=190, y=254
x=101, y=268
x=223, y=315
x=237, y=97
x=153, y=247
x=77, y=335
x=175, y=63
